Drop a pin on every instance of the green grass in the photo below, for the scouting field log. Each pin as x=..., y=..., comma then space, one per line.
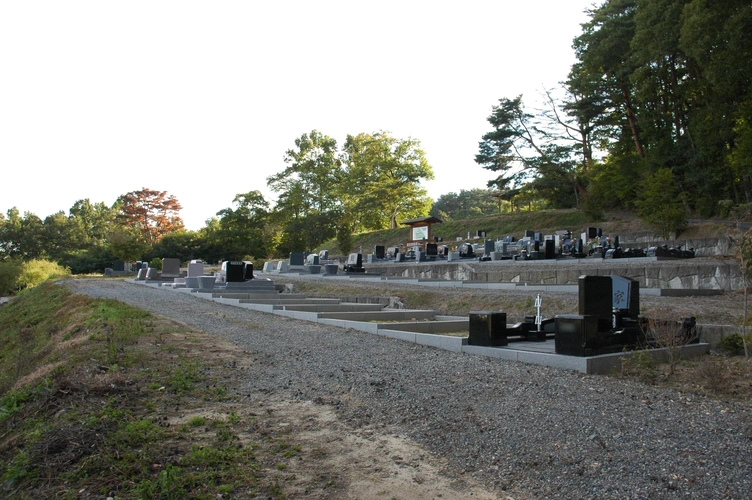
x=93, y=421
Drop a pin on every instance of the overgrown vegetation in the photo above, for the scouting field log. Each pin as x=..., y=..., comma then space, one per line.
x=99, y=399
x=16, y=274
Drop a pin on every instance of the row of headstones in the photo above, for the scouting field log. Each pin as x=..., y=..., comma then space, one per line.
x=608, y=321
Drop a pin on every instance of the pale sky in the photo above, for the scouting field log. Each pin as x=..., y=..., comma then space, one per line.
x=202, y=99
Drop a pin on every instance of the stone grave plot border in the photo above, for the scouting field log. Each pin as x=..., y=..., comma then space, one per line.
x=354, y=316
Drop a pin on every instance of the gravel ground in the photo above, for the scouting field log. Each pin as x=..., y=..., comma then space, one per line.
x=512, y=427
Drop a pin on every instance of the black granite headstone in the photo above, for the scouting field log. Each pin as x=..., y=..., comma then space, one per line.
x=488, y=328
x=118, y=265
x=248, y=273
x=235, y=272
x=575, y=334
x=432, y=249
x=595, y=299
x=379, y=251
x=297, y=258
x=489, y=247
x=550, y=249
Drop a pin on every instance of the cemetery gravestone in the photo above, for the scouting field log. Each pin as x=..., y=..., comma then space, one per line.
x=248, y=271
x=235, y=272
x=297, y=259
x=268, y=267
x=196, y=269
x=118, y=266
x=170, y=268
x=488, y=328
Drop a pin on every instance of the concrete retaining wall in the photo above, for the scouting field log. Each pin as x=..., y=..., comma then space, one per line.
x=698, y=273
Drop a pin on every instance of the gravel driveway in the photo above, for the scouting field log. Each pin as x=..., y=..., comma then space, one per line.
x=532, y=431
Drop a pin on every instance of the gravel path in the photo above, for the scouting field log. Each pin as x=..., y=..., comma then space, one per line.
x=546, y=432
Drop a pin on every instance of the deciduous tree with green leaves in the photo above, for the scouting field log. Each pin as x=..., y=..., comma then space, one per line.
x=383, y=180
x=308, y=206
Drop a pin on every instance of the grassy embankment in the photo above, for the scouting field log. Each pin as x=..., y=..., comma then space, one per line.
x=100, y=399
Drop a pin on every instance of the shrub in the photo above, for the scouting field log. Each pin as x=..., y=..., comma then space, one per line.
x=156, y=263
x=34, y=272
x=10, y=270
x=732, y=344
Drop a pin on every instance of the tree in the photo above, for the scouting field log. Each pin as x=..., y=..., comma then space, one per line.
x=151, y=214
x=525, y=149
x=660, y=204
x=308, y=208
x=465, y=204
x=127, y=244
x=92, y=221
x=241, y=230
x=383, y=176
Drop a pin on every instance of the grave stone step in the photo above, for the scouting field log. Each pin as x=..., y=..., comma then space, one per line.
x=384, y=315
x=244, y=295
x=342, y=307
x=428, y=326
x=292, y=301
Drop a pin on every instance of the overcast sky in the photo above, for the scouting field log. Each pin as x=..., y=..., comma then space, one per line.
x=202, y=99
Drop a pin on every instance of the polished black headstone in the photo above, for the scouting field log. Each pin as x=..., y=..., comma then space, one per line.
x=490, y=246
x=432, y=249
x=379, y=251
x=488, y=328
x=550, y=249
x=575, y=334
x=248, y=272
x=595, y=299
x=235, y=272
x=297, y=258
x=118, y=265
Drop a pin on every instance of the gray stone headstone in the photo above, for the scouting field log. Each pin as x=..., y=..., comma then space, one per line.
x=170, y=267
x=196, y=269
x=283, y=266
x=268, y=267
x=192, y=282
x=108, y=271
x=331, y=269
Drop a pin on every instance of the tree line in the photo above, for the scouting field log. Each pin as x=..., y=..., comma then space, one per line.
x=656, y=115
x=324, y=192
